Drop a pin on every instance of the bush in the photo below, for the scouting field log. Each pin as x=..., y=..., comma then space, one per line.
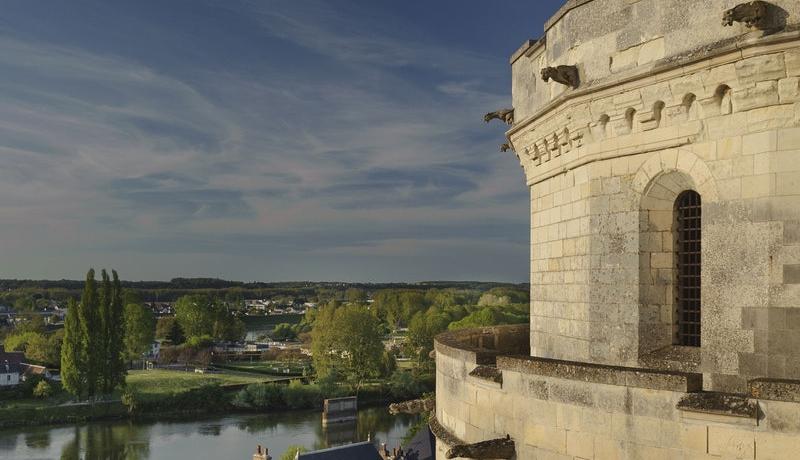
x=403, y=385
x=130, y=399
x=43, y=390
x=292, y=451
x=259, y=396
x=299, y=396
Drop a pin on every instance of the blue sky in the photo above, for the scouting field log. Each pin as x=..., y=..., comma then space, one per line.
x=261, y=140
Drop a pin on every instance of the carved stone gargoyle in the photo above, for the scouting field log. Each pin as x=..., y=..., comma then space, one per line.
x=495, y=448
x=415, y=406
x=751, y=14
x=564, y=74
x=505, y=147
x=506, y=115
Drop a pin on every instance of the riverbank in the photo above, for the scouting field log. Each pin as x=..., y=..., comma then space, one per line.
x=173, y=395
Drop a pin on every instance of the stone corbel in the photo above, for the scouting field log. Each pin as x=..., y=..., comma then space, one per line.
x=505, y=147
x=577, y=135
x=751, y=14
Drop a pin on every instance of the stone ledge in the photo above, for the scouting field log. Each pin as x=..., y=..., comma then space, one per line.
x=683, y=382
x=775, y=389
x=673, y=358
x=719, y=404
x=482, y=345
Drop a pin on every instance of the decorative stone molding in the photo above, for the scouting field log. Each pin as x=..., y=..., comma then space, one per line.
x=751, y=14
x=565, y=74
x=505, y=147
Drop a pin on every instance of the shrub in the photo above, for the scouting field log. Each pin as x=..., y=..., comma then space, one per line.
x=299, y=396
x=292, y=451
x=130, y=399
x=259, y=396
x=42, y=390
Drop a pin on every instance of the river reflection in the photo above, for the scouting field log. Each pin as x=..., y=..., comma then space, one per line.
x=233, y=437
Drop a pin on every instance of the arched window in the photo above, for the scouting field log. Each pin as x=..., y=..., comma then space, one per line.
x=688, y=210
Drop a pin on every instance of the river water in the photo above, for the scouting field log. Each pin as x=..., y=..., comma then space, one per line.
x=223, y=438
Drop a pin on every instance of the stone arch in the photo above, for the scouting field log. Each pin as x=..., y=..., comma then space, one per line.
x=659, y=182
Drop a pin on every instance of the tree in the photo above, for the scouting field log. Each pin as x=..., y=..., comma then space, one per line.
x=42, y=390
x=175, y=334
x=164, y=326
x=193, y=313
x=347, y=339
x=73, y=373
x=283, y=331
x=91, y=359
x=91, y=340
x=140, y=330
x=422, y=329
x=115, y=333
x=356, y=296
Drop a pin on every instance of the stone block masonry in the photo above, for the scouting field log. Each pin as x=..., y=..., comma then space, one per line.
x=647, y=309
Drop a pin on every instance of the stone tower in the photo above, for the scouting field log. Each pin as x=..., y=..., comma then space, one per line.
x=660, y=140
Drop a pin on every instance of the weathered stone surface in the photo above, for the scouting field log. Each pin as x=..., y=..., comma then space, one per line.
x=775, y=389
x=718, y=403
x=490, y=373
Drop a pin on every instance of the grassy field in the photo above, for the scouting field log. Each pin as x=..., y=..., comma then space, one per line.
x=160, y=381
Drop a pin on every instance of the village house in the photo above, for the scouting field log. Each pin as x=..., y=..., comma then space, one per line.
x=660, y=142
x=10, y=367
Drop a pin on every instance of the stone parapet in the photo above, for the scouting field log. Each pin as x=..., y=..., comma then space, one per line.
x=606, y=375
x=569, y=410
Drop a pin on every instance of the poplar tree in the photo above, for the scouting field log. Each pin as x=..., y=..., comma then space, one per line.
x=73, y=376
x=102, y=332
x=90, y=336
x=115, y=331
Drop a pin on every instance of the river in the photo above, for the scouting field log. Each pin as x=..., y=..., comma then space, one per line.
x=233, y=437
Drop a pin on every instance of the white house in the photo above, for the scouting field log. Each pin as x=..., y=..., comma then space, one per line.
x=9, y=367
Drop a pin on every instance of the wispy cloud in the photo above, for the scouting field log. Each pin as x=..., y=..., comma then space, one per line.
x=363, y=142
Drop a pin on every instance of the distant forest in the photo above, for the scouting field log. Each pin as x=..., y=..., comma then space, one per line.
x=166, y=291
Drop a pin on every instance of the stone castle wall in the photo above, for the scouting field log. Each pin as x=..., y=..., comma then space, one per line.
x=605, y=164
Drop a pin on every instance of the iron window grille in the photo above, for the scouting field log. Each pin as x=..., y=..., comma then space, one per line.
x=688, y=210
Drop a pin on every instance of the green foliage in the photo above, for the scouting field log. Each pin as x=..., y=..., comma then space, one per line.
x=200, y=315
x=503, y=296
x=164, y=326
x=259, y=396
x=38, y=347
x=42, y=390
x=292, y=451
x=73, y=374
x=347, y=339
x=140, y=330
x=356, y=296
x=423, y=328
x=131, y=400
x=175, y=334
x=91, y=359
x=491, y=316
x=299, y=396
x=203, y=341
x=403, y=386
x=284, y=331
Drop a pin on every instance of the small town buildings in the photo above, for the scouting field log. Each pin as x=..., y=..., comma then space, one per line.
x=10, y=367
x=33, y=370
